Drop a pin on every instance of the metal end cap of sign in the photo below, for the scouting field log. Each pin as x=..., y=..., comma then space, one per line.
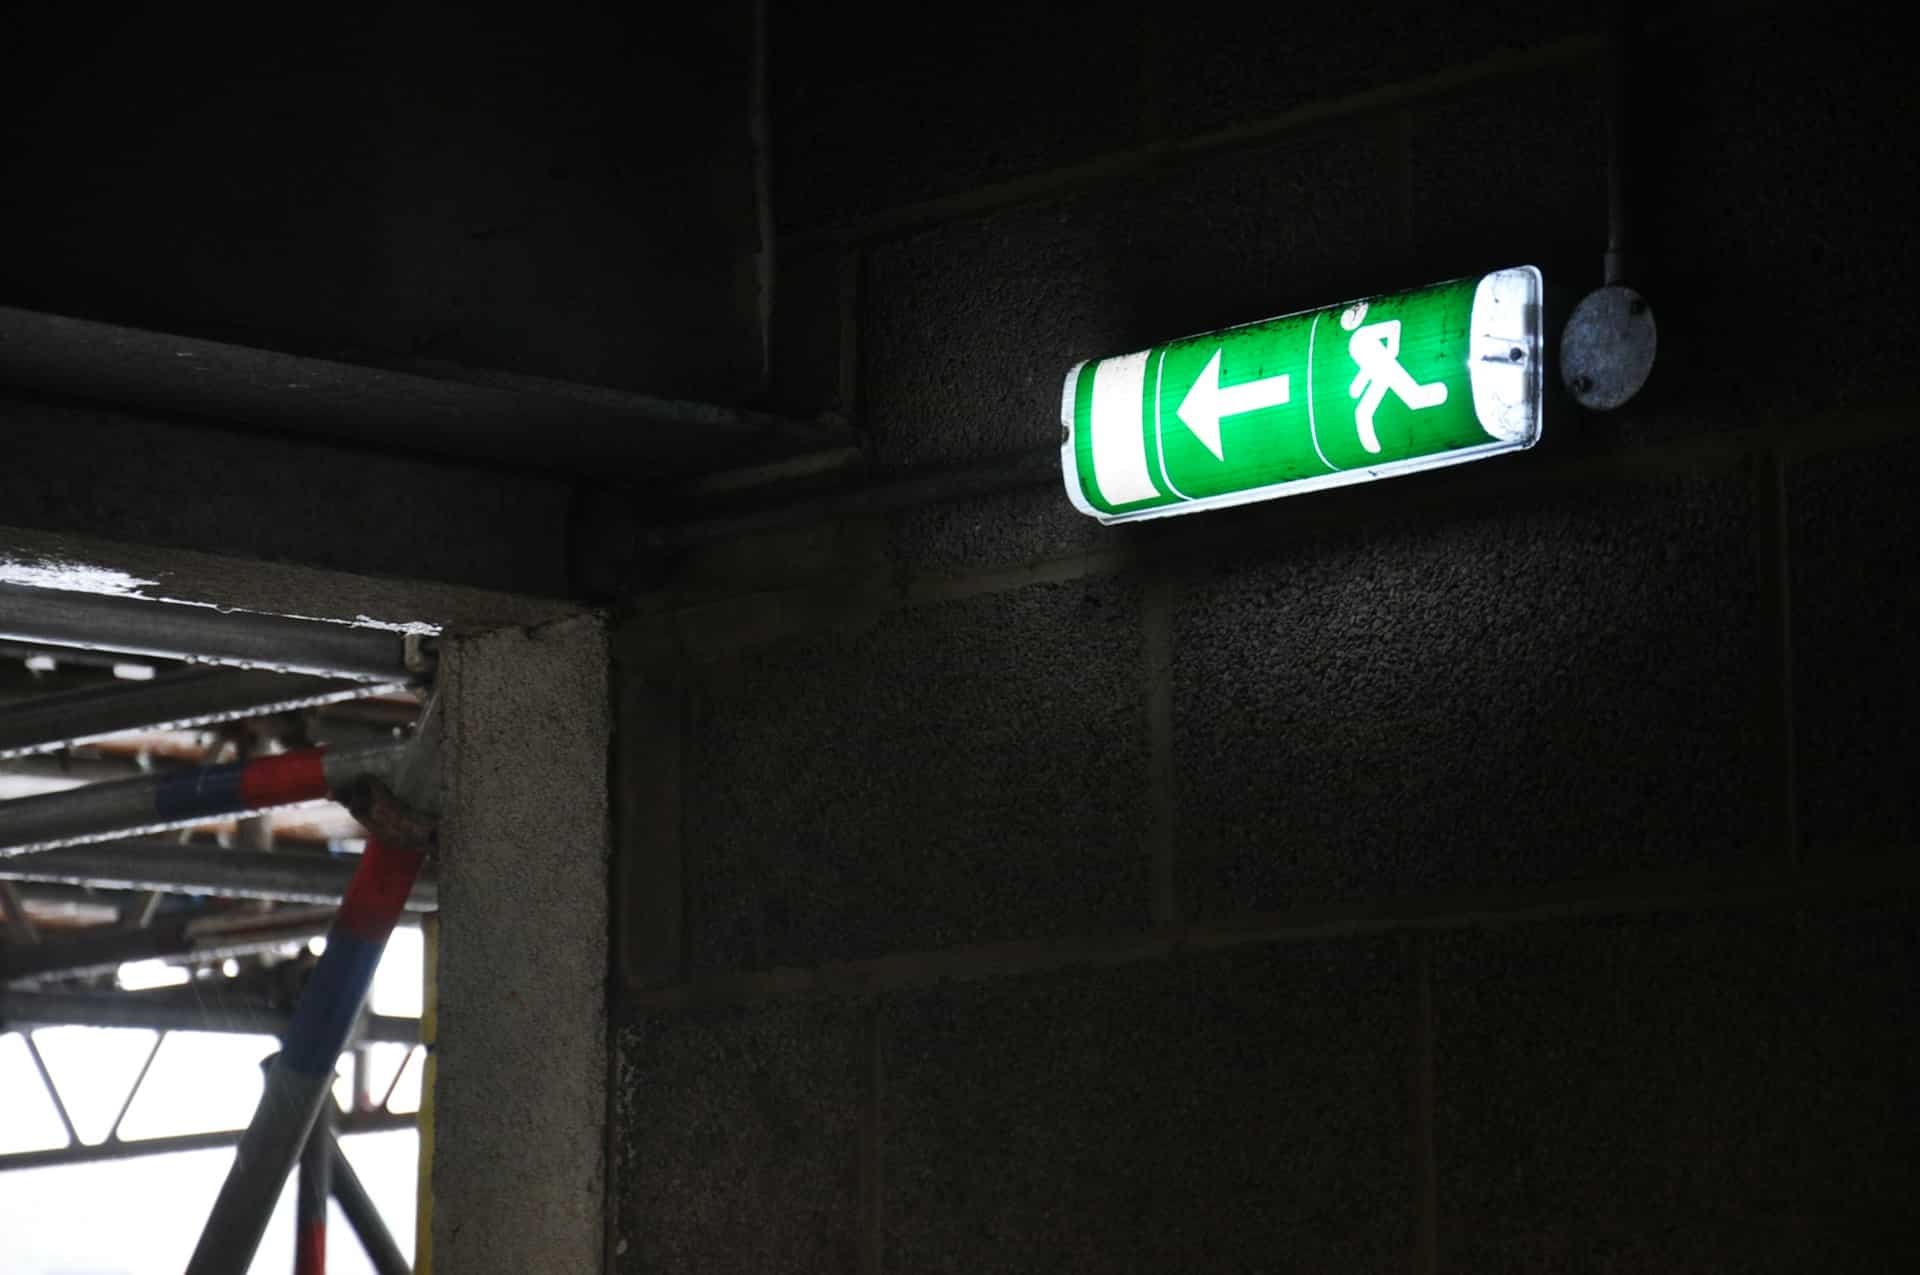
x=1607, y=347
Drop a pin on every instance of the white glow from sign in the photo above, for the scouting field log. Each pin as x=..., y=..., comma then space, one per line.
x=140, y=976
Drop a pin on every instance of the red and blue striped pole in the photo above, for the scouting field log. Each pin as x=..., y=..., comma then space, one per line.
x=300, y=1078
x=98, y=811
x=310, y=1197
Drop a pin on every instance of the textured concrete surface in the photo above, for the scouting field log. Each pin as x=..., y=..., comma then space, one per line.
x=972, y=327
x=1029, y=524
x=1559, y=689
x=176, y=485
x=416, y=406
x=859, y=132
x=1242, y=1111
x=1508, y=172
x=969, y=331
x=1471, y=683
x=1852, y=527
x=1784, y=290
x=1708, y=1092
x=739, y=1139
x=449, y=186
x=644, y=795
x=519, y=1178
x=1511, y=164
x=52, y=560
x=808, y=331
x=1219, y=69
x=963, y=773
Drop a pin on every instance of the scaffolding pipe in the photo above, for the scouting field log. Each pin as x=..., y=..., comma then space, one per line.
x=20, y=927
x=100, y=811
x=201, y=937
x=68, y=771
x=315, y=1183
x=158, y=864
x=199, y=697
x=429, y=1086
x=116, y=1149
x=301, y=1076
x=202, y=635
x=152, y=1012
x=364, y=1217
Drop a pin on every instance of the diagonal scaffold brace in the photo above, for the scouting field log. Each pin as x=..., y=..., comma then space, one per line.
x=402, y=829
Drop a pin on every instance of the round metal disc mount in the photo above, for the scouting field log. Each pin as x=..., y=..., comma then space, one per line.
x=1607, y=349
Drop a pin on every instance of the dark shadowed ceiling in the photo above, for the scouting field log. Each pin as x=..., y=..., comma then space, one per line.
x=488, y=205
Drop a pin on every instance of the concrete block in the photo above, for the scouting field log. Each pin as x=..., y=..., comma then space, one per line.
x=968, y=331
x=1512, y=171
x=1684, y=1092
x=1242, y=1111
x=1568, y=686
x=1785, y=289
x=960, y=773
x=970, y=328
x=1856, y=626
x=649, y=704
x=1218, y=69
x=738, y=1140
x=878, y=108
x=1030, y=524
x=807, y=332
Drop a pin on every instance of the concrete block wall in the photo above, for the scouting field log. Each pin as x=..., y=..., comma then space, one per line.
x=1507, y=868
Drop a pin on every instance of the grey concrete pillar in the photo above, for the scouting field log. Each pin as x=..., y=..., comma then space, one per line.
x=518, y=1168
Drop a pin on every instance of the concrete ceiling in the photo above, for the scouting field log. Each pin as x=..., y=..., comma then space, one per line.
x=447, y=411
x=533, y=241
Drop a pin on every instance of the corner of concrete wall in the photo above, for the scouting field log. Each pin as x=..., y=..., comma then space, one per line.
x=519, y=1176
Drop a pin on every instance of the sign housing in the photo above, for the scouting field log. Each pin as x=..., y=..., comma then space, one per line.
x=1323, y=398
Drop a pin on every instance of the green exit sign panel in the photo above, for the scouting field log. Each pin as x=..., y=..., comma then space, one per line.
x=1323, y=398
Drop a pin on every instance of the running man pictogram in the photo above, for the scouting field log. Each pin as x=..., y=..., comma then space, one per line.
x=1376, y=350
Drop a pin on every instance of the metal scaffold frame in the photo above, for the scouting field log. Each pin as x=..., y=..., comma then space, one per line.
x=194, y=697
x=183, y=798
x=26, y=1012
x=404, y=831
x=278, y=666
x=214, y=871
x=209, y=635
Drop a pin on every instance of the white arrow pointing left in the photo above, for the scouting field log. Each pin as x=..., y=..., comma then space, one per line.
x=1204, y=405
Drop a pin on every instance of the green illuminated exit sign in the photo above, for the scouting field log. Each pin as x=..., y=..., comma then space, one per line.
x=1322, y=398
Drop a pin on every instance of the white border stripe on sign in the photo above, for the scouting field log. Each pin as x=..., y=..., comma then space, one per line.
x=1119, y=444
x=1159, y=427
